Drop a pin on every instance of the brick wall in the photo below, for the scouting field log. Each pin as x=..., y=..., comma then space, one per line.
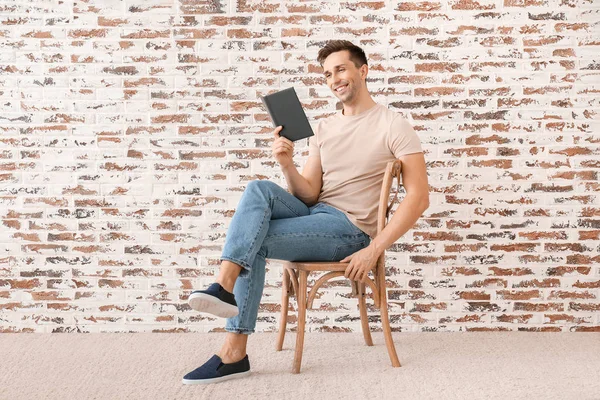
x=129, y=130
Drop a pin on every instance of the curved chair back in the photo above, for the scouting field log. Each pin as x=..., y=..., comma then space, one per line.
x=386, y=202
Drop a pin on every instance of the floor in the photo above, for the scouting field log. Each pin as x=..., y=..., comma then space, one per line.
x=478, y=365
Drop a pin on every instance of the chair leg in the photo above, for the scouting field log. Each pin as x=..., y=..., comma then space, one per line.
x=301, y=297
x=387, y=330
x=364, y=318
x=285, y=303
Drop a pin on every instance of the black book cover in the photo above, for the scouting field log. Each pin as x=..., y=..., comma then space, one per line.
x=285, y=109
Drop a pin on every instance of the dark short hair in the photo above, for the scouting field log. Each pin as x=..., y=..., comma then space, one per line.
x=357, y=55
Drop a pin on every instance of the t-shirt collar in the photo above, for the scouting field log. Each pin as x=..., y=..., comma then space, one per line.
x=360, y=115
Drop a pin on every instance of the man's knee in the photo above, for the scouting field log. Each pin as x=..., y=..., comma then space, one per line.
x=261, y=184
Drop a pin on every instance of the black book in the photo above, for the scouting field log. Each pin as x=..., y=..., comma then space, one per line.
x=285, y=109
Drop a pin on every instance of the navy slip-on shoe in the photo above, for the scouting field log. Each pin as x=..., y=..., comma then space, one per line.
x=214, y=300
x=214, y=370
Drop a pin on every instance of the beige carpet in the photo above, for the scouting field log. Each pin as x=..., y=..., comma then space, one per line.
x=483, y=365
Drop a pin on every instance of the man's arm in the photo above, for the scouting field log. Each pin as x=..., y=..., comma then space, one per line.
x=307, y=186
x=410, y=209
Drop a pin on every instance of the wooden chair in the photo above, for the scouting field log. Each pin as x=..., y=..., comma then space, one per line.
x=295, y=277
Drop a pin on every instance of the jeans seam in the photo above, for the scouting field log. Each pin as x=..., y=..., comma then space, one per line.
x=257, y=232
x=283, y=235
x=245, y=308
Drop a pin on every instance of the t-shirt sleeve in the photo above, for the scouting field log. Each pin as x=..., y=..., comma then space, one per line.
x=313, y=147
x=402, y=138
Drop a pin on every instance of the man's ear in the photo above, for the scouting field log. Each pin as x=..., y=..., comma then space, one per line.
x=363, y=71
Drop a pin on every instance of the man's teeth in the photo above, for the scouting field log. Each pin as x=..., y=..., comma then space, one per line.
x=340, y=88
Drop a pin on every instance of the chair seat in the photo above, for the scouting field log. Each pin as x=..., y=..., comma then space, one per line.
x=316, y=265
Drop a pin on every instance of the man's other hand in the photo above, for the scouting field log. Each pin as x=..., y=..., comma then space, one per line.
x=361, y=263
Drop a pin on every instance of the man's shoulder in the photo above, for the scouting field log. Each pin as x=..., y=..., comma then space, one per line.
x=397, y=120
x=395, y=114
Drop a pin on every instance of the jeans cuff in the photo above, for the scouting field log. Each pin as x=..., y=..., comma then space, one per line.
x=240, y=330
x=243, y=264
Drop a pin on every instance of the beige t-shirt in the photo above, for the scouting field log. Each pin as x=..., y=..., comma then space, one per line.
x=354, y=153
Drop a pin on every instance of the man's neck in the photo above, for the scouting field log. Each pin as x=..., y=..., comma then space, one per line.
x=355, y=109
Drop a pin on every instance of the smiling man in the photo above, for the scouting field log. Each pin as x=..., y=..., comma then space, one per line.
x=330, y=213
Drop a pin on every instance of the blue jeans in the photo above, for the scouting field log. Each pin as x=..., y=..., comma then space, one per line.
x=272, y=223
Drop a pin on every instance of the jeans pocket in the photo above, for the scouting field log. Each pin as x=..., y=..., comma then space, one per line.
x=332, y=210
x=356, y=230
x=344, y=250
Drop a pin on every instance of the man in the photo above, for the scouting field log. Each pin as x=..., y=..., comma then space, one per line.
x=330, y=214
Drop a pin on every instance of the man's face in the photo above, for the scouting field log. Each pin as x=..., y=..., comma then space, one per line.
x=341, y=73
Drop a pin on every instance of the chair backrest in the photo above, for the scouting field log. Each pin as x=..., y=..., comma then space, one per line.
x=392, y=171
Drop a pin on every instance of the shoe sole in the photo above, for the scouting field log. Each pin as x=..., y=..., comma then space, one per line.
x=210, y=304
x=214, y=380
